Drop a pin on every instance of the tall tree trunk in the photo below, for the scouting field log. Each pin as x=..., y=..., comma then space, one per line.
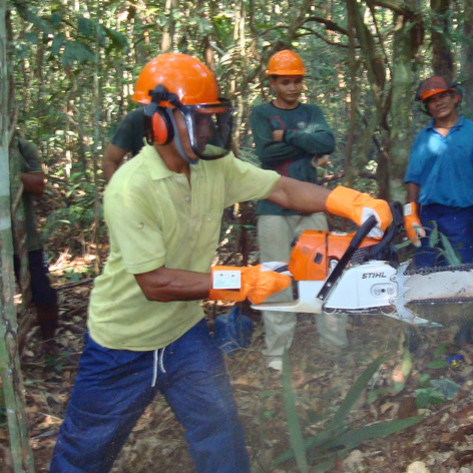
x=467, y=56
x=405, y=45
x=352, y=69
x=10, y=372
x=373, y=59
x=442, y=58
x=167, y=42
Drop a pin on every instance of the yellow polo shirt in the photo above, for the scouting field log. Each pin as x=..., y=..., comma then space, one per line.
x=155, y=218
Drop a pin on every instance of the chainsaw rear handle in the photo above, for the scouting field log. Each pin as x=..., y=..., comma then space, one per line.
x=373, y=251
x=355, y=242
x=378, y=251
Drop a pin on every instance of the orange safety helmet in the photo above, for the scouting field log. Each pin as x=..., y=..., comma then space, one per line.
x=189, y=79
x=432, y=86
x=178, y=81
x=285, y=63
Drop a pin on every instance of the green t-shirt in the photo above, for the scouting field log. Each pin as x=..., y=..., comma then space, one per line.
x=306, y=134
x=156, y=218
x=27, y=155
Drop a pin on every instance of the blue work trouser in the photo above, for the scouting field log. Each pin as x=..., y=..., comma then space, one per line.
x=113, y=387
x=456, y=224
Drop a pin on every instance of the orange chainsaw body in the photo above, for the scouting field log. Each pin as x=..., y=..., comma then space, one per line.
x=316, y=251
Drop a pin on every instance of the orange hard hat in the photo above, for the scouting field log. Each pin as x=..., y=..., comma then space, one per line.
x=285, y=63
x=432, y=86
x=185, y=76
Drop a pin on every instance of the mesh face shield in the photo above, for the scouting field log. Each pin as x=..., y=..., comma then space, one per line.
x=209, y=128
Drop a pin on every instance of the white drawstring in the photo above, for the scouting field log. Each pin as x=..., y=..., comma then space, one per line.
x=155, y=368
x=161, y=360
x=158, y=362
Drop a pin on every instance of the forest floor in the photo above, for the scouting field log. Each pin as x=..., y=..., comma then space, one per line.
x=439, y=443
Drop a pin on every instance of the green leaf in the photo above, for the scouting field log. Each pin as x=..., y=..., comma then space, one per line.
x=32, y=37
x=423, y=380
x=77, y=51
x=447, y=387
x=86, y=27
x=352, y=438
x=119, y=41
x=437, y=364
x=355, y=391
x=295, y=433
x=58, y=42
x=449, y=253
x=434, y=236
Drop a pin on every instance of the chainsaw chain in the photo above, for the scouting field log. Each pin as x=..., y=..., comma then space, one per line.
x=439, y=269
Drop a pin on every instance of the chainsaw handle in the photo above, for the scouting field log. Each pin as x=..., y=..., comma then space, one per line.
x=355, y=242
x=394, y=229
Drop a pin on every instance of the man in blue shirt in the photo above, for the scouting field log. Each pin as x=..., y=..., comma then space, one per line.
x=439, y=179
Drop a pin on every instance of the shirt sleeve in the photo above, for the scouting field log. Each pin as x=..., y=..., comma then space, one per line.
x=268, y=150
x=245, y=181
x=135, y=232
x=29, y=153
x=317, y=138
x=129, y=131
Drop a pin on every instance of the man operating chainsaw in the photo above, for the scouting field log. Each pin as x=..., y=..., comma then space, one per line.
x=146, y=328
x=439, y=176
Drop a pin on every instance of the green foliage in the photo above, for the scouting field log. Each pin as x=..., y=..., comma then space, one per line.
x=435, y=391
x=443, y=246
x=74, y=221
x=337, y=436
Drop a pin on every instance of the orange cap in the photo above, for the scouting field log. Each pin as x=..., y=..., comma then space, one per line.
x=432, y=86
x=185, y=76
x=285, y=63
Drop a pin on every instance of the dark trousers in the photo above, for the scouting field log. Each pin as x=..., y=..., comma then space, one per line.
x=456, y=224
x=43, y=295
x=113, y=387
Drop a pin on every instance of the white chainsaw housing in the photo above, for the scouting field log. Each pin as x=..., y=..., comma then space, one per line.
x=365, y=286
x=368, y=285
x=371, y=285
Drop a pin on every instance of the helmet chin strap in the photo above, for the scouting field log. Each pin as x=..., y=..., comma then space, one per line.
x=177, y=139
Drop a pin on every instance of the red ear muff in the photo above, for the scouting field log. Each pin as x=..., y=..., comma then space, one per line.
x=161, y=127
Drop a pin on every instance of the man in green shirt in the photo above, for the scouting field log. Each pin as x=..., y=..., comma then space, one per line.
x=290, y=137
x=147, y=330
x=43, y=296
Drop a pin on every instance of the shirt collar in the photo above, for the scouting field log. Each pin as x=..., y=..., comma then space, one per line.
x=458, y=124
x=156, y=166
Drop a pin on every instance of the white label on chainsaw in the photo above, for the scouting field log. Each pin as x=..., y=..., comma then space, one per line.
x=226, y=279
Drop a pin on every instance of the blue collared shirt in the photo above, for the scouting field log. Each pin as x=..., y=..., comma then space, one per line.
x=442, y=166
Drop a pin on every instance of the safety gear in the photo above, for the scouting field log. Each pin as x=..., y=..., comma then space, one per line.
x=433, y=86
x=412, y=224
x=178, y=81
x=257, y=283
x=358, y=207
x=285, y=63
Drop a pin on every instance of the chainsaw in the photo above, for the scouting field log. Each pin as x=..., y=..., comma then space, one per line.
x=353, y=274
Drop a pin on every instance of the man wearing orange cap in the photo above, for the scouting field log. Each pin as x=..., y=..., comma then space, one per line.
x=146, y=328
x=439, y=176
x=290, y=138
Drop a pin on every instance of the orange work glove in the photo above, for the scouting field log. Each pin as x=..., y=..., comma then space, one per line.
x=412, y=224
x=233, y=283
x=358, y=207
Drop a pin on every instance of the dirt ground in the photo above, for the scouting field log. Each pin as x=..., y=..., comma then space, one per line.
x=320, y=376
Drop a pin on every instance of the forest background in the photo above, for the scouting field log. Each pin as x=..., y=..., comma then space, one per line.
x=68, y=71
x=73, y=66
